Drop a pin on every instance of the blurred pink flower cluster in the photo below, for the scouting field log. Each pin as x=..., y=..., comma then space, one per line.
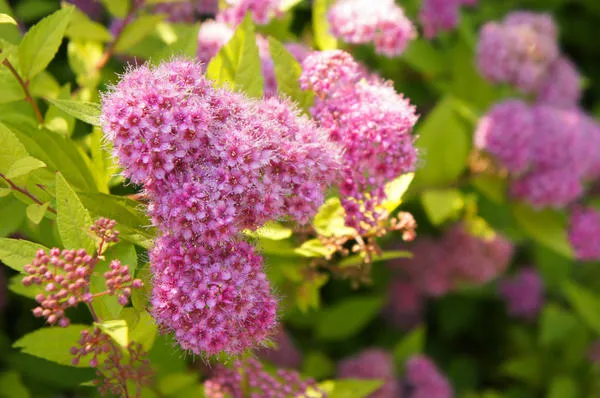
x=441, y=15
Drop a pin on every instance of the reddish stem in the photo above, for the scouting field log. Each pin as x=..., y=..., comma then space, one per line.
x=25, y=86
x=25, y=192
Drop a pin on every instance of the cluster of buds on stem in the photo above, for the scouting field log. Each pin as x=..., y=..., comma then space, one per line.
x=112, y=370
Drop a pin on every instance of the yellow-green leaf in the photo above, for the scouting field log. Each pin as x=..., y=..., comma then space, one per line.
x=73, y=219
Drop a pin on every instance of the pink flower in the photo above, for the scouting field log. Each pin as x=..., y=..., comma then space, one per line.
x=584, y=233
x=519, y=51
x=382, y=23
x=262, y=11
x=405, y=304
x=214, y=299
x=373, y=363
x=562, y=85
x=212, y=35
x=507, y=133
x=425, y=380
x=523, y=293
x=441, y=15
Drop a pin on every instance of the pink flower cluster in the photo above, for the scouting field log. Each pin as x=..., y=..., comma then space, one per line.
x=214, y=34
x=547, y=150
x=584, y=233
x=523, y=293
x=214, y=163
x=249, y=379
x=371, y=121
x=441, y=15
x=424, y=379
x=522, y=50
x=262, y=11
x=441, y=265
x=373, y=363
x=382, y=23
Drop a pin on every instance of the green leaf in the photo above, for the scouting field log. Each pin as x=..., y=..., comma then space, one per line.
x=493, y=187
x=58, y=120
x=137, y=30
x=444, y=140
x=345, y=319
x=17, y=253
x=349, y=388
x=8, y=32
x=563, y=387
x=11, y=386
x=11, y=89
x=442, y=204
x=24, y=166
x=287, y=74
x=4, y=18
x=323, y=38
x=318, y=365
x=556, y=324
x=88, y=112
x=271, y=230
x=117, y=330
x=42, y=41
x=72, y=218
x=314, y=248
x=422, y=56
x=585, y=303
x=142, y=328
x=237, y=64
x=83, y=28
x=59, y=153
x=11, y=149
x=118, y=8
x=52, y=343
x=547, y=227
x=395, y=190
x=330, y=220
x=36, y=212
x=174, y=383
x=411, y=344
x=527, y=369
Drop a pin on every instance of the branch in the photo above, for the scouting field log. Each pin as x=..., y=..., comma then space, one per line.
x=25, y=86
x=25, y=192
x=111, y=46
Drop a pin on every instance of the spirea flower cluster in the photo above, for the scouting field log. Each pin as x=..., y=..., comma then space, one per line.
x=405, y=304
x=523, y=293
x=382, y=23
x=441, y=265
x=249, y=379
x=424, y=380
x=372, y=363
x=441, y=15
x=584, y=233
x=548, y=151
x=522, y=50
x=213, y=164
x=371, y=121
x=262, y=11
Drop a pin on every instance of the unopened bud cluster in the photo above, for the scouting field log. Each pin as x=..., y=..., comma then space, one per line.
x=64, y=274
x=114, y=370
